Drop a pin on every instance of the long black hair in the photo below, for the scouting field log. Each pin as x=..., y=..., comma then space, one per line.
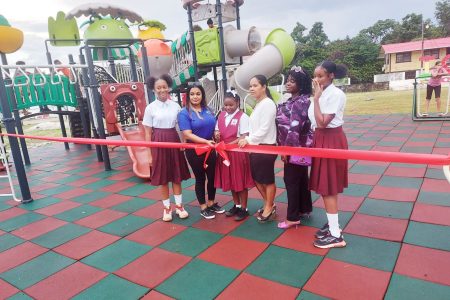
x=302, y=80
x=339, y=71
x=152, y=80
x=203, y=103
x=263, y=81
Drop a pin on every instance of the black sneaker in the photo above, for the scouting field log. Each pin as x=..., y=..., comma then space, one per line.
x=322, y=232
x=216, y=208
x=232, y=211
x=241, y=214
x=207, y=214
x=330, y=241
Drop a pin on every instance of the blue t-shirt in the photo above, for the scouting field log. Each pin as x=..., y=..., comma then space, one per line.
x=203, y=128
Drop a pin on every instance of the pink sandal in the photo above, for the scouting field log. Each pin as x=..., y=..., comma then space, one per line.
x=286, y=225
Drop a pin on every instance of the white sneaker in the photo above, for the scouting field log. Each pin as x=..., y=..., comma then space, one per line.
x=167, y=214
x=181, y=212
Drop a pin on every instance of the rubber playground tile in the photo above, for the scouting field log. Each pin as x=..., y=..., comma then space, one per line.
x=8, y=241
x=101, y=218
x=19, y=221
x=126, y=225
x=347, y=281
x=263, y=232
x=435, y=174
x=88, y=198
x=66, y=178
x=20, y=296
x=356, y=147
x=112, y=287
x=39, y=203
x=394, y=193
x=85, y=245
x=18, y=255
x=110, y=200
x=377, y=227
x=191, y=242
x=155, y=211
x=435, y=185
x=137, y=190
x=253, y=193
x=285, y=266
x=58, y=208
x=117, y=187
x=247, y=286
x=389, y=209
x=300, y=239
x=55, y=190
x=403, y=287
x=424, y=263
x=345, y=203
x=123, y=252
x=393, y=181
x=357, y=190
x=156, y=233
x=428, y=235
x=424, y=150
x=319, y=218
x=389, y=143
x=434, y=198
x=60, y=235
x=36, y=269
x=66, y=283
x=194, y=215
x=233, y=252
x=6, y=290
x=42, y=187
x=431, y=214
x=98, y=184
x=77, y=213
x=153, y=268
x=82, y=181
x=187, y=183
x=305, y=295
x=72, y=193
x=133, y=205
x=368, y=169
x=11, y=213
x=386, y=148
x=204, y=285
x=77, y=170
x=4, y=206
x=121, y=176
x=38, y=228
x=154, y=295
x=367, y=179
x=405, y=172
x=220, y=224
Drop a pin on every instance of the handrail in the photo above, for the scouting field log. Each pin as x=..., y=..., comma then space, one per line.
x=40, y=74
x=6, y=75
x=53, y=73
x=27, y=78
x=73, y=78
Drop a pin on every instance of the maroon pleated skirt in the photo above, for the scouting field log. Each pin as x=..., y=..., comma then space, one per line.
x=329, y=176
x=169, y=165
x=237, y=176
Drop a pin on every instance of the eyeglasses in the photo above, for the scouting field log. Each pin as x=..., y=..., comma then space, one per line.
x=297, y=69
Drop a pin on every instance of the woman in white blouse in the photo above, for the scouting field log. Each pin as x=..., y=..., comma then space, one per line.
x=263, y=131
x=166, y=165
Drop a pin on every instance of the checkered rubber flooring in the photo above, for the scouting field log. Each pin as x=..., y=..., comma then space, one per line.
x=92, y=234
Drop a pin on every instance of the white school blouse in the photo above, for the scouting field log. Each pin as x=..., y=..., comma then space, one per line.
x=244, y=123
x=332, y=101
x=161, y=114
x=262, y=123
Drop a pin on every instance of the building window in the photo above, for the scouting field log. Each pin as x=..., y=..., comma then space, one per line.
x=432, y=52
x=403, y=57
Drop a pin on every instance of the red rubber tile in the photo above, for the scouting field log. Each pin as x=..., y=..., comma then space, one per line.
x=86, y=244
x=435, y=185
x=364, y=143
x=66, y=283
x=346, y=203
x=90, y=172
x=154, y=194
x=431, y=214
x=394, y=194
x=58, y=208
x=11, y=213
x=156, y=233
x=118, y=186
x=100, y=218
x=369, y=179
x=424, y=263
x=220, y=224
x=154, y=295
x=122, y=176
x=44, y=186
x=154, y=211
x=234, y=252
x=341, y=280
x=377, y=227
x=110, y=201
x=83, y=181
x=75, y=192
x=153, y=268
x=405, y=172
x=56, y=177
x=247, y=286
x=300, y=239
x=386, y=148
x=419, y=144
x=373, y=163
x=30, y=231
x=6, y=290
x=13, y=257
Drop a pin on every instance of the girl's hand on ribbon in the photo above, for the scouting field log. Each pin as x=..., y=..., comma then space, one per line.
x=210, y=143
x=242, y=143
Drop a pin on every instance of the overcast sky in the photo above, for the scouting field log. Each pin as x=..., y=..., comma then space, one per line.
x=340, y=18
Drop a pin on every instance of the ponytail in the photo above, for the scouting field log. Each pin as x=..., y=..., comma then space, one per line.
x=339, y=71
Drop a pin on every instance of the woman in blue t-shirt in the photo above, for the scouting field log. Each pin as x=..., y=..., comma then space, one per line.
x=197, y=122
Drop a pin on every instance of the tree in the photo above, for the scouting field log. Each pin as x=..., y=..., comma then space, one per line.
x=317, y=37
x=298, y=33
x=380, y=31
x=442, y=14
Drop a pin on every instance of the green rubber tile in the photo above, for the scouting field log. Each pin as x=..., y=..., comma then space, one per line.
x=126, y=225
x=4, y=206
x=219, y=191
x=133, y=205
x=20, y=296
x=285, y=266
x=403, y=287
x=92, y=196
x=319, y=218
x=137, y=190
x=390, y=209
x=19, y=221
x=358, y=190
x=40, y=203
x=56, y=190
x=36, y=182
x=60, y=235
x=422, y=139
x=368, y=169
x=402, y=182
x=359, y=147
x=112, y=287
x=411, y=166
x=117, y=255
x=36, y=269
x=137, y=180
x=209, y=281
x=282, y=197
x=106, y=174
x=8, y=241
x=194, y=216
x=69, y=179
x=189, y=196
x=263, y=232
x=428, y=235
x=390, y=143
x=367, y=252
x=79, y=170
x=442, y=145
x=435, y=174
x=191, y=242
x=99, y=184
x=187, y=183
x=77, y=213
x=426, y=150
x=304, y=295
x=279, y=182
x=435, y=198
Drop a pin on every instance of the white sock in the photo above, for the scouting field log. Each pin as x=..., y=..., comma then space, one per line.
x=166, y=202
x=333, y=223
x=238, y=205
x=178, y=199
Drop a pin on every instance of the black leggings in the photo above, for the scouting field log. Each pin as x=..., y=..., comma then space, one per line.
x=298, y=193
x=436, y=89
x=200, y=173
